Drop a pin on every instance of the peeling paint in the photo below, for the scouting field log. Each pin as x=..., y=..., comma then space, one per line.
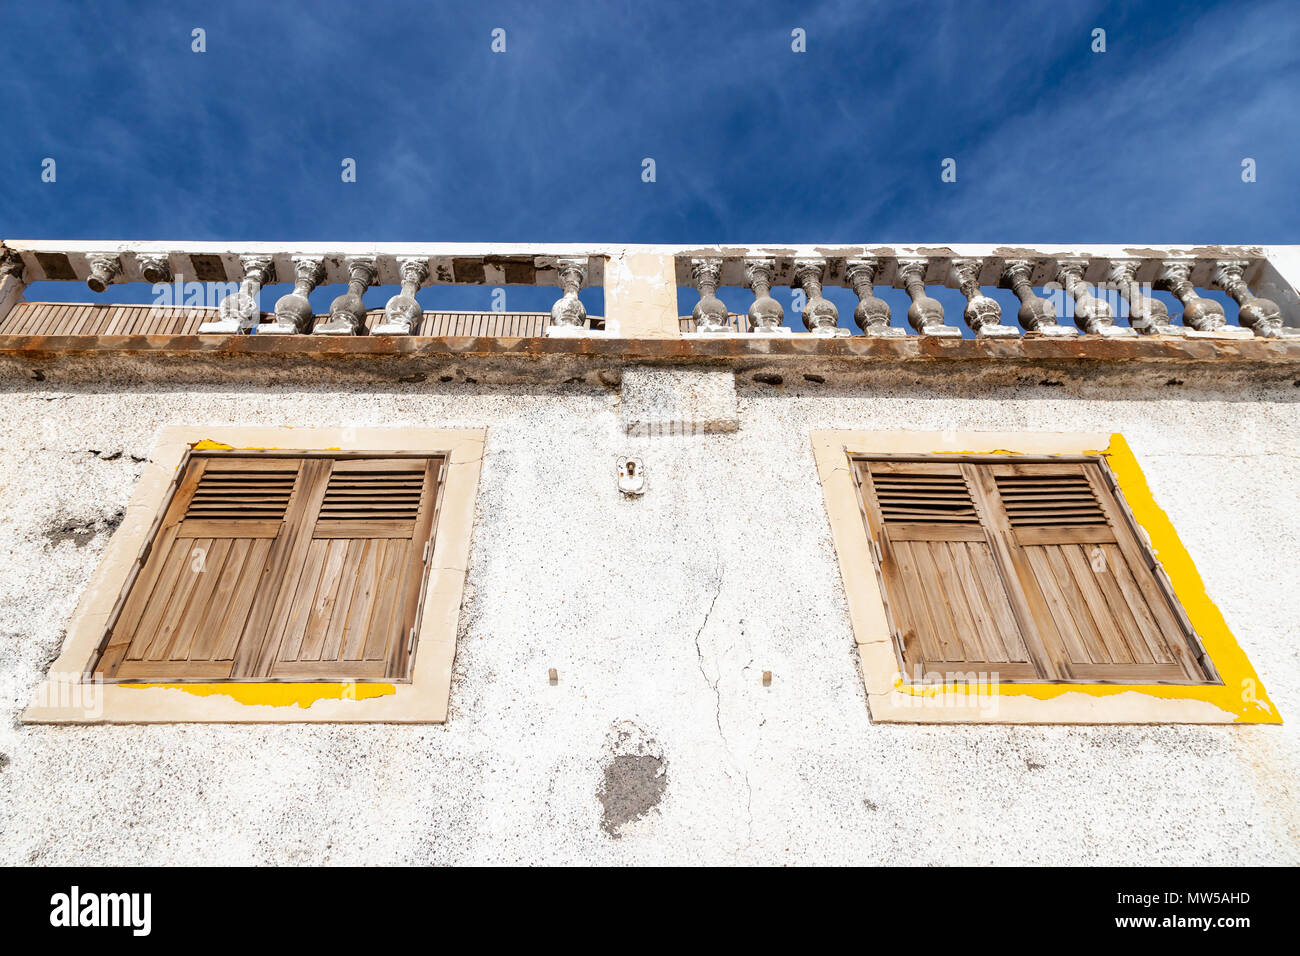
x=276, y=694
x=1241, y=693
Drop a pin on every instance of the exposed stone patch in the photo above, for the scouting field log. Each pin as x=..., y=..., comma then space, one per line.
x=658, y=401
x=636, y=776
x=81, y=532
x=4, y=761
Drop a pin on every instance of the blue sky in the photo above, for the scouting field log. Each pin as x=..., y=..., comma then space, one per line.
x=752, y=142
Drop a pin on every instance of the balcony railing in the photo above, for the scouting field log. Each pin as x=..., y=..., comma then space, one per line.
x=1061, y=291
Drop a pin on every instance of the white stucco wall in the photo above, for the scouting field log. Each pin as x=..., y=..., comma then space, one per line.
x=660, y=614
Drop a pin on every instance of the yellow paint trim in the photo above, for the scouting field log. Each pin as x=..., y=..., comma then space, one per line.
x=208, y=444
x=280, y=694
x=1241, y=693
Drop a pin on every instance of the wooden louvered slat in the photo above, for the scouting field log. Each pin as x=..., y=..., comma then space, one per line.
x=1031, y=500
x=919, y=498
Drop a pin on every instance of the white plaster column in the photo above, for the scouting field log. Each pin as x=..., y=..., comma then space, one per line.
x=982, y=314
x=347, y=312
x=239, y=311
x=1036, y=315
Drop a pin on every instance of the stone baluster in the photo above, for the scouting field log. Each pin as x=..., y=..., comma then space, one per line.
x=1201, y=317
x=12, y=285
x=1261, y=316
x=347, y=312
x=710, y=314
x=820, y=317
x=239, y=311
x=293, y=313
x=104, y=268
x=765, y=314
x=568, y=314
x=1036, y=315
x=982, y=314
x=403, y=314
x=1146, y=315
x=1092, y=315
x=155, y=268
x=872, y=312
x=924, y=314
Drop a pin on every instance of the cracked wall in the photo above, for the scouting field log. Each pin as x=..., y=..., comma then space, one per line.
x=660, y=612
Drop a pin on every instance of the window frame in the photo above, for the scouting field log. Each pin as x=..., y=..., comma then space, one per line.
x=70, y=694
x=1239, y=697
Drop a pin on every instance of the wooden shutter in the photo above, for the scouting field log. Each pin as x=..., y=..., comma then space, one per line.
x=281, y=568
x=1097, y=604
x=1032, y=569
x=950, y=611
x=352, y=607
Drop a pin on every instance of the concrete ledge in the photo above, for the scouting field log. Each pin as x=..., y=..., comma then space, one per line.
x=599, y=361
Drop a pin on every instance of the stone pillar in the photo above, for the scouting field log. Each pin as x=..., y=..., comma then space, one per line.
x=1036, y=315
x=1146, y=315
x=293, y=313
x=710, y=313
x=765, y=315
x=403, y=314
x=924, y=314
x=641, y=296
x=1261, y=316
x=104, y=268
x=820, y=317
x=1092, y=315
x=11, y=282
x=871, y=313
x=155, y=268
x=983, y=315
x=347, y=312
x=1201, y=317
x=568, y=314
x=239, y=311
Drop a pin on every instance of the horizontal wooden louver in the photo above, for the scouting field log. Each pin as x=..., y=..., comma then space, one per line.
x=241, y=495
x=361, y=496
x=924, y=498
x=1032, y=500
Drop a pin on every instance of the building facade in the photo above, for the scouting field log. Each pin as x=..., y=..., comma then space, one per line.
x=698, y=588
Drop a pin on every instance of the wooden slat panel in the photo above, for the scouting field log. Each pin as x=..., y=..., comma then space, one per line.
x=1082, y=640
x=173, y=574
x=207, y=639
x=208, y=570
x=285, y=598
x=386, y=615
x=250, y=586
x=260, y=644
x=324, y=601
x=162, y=627
x=332, y=647
x=363, y=600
